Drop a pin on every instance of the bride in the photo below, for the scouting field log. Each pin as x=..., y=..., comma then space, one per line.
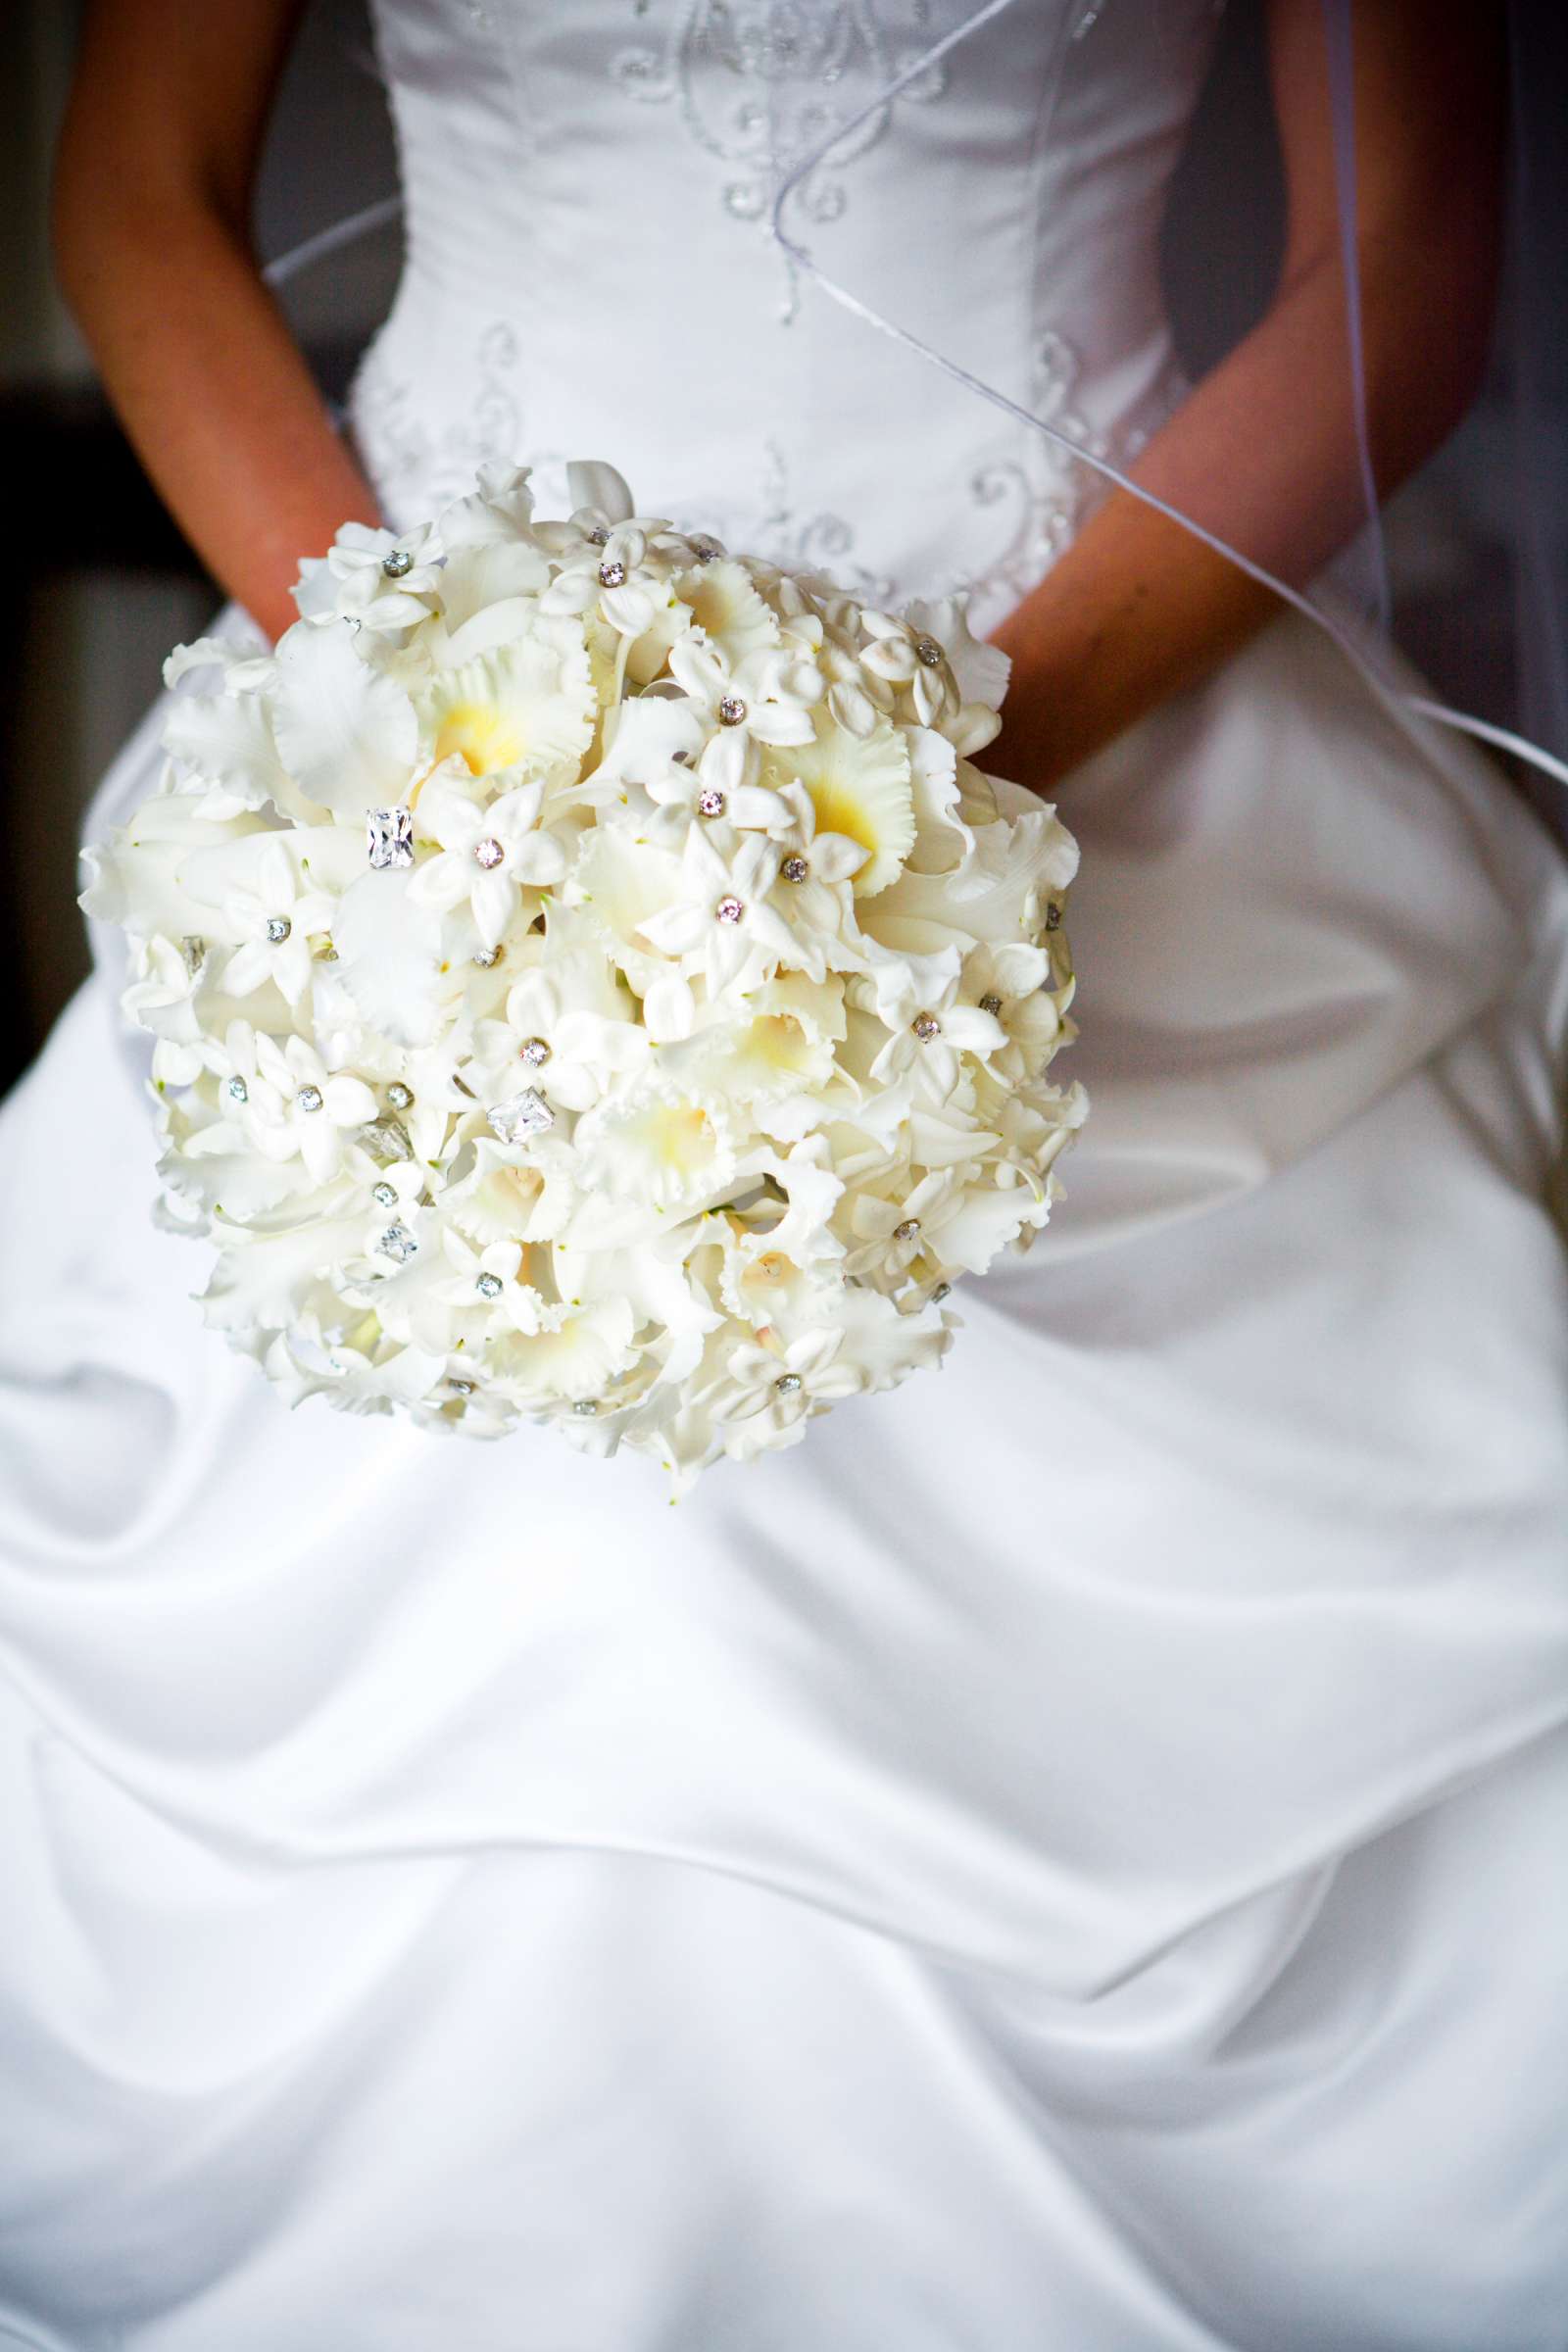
x=1068, y=1857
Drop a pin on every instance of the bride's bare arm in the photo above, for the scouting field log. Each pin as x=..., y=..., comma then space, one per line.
x=152, y=210
x=1263, y=453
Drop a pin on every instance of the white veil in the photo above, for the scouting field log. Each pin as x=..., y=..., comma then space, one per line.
x=1533, y=364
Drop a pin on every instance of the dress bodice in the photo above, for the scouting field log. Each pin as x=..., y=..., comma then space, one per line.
x=589, y=268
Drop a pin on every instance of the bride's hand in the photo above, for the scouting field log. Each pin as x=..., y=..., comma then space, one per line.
x=152, y=217
x=1264, y=453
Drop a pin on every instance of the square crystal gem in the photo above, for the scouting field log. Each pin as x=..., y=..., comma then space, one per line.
x=520, y=1117
x=389, y=836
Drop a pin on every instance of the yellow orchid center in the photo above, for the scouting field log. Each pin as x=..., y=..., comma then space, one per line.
x=482, y=737
x=860, y=786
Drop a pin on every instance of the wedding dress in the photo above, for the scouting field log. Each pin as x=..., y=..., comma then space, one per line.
x=1069, y=1858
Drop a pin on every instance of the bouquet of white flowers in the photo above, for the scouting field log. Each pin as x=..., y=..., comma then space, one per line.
x=591, y=983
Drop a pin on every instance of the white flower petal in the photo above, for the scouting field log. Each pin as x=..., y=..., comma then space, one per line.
x=347, y=736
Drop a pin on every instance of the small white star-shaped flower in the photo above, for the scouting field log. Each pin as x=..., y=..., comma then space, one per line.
x=489, y=851
x=303, y=1110
x=276, y=913
x=722, y=925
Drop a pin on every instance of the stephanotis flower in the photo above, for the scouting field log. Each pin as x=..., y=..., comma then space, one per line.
x=1012, y=983
x=300, y=1108
x=653, y=1064
x=815, y=870
x=913, y=658
x=385, y=579
x=570, y=1031
x=489, y=852
x=719, y=792
x=161, y=997
x=931, y=1030
x=724, y=926
x=769, y=693
x=771, y=1392
x=490, y=1290
x=275, y=914
x=891, y=1233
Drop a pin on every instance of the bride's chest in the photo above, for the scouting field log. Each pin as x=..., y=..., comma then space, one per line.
x=721, y=99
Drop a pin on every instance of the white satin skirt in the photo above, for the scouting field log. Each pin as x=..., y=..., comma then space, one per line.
x=1070, y=1859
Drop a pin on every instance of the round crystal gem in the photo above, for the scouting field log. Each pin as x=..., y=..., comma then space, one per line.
x=906, y=1229
x=710, y=800
x=278, y=928
x=729, y=908
x=705, y=550
x=1052, y=916
x=488, y=1285
x=383, y=1196
x=927, y=1026
x=460, y=1387
x=400, y=1097
x=586, y=1406
x=795, y=869
x=788, y=1383
x=398, y=564
x=599, y=536
x=397, y=1243
x=991, y=1002
x=613, y=574
x=487, y=959
x=238, y=1091
x=488, y=853
x=535, y=1052
x=929, y=652
x=731, y=711
x=309, y=1098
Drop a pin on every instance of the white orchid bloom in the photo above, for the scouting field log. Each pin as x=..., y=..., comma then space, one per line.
x=346, y=732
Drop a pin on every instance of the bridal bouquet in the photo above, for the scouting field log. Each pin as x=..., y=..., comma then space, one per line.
x=591, y=984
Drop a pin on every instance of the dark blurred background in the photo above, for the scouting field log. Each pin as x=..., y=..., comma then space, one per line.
x=100, y=585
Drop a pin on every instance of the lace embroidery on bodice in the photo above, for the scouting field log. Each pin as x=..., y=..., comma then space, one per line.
x=1040, y=497
x=759, y=82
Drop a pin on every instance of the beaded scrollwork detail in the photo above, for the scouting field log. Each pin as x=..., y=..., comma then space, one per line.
x=759, y=82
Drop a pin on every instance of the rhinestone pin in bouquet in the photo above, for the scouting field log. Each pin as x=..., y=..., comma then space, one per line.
x=591, y=983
